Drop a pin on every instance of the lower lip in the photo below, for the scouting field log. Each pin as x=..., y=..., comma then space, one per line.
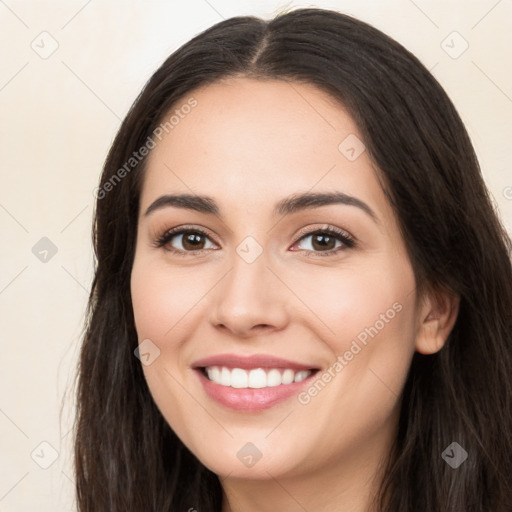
x=251, y=399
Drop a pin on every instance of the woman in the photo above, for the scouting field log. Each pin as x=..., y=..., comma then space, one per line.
x=303, y=297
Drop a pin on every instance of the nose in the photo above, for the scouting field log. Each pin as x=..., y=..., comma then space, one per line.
x=249, y=300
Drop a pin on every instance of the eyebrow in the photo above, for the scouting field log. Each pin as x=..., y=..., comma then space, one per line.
x=286, y=206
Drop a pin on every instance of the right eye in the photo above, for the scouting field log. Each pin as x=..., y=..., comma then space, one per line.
x=190, y=240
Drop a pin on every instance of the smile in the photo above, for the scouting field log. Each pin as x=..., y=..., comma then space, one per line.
x=252, y=383
x=256, y=378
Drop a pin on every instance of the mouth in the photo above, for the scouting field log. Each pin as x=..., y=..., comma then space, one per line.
x=256, y=378
x=251, y=384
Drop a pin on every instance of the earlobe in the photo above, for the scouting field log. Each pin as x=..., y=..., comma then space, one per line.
x=436, y=320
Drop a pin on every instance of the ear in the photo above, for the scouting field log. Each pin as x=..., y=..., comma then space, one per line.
x=437, y=316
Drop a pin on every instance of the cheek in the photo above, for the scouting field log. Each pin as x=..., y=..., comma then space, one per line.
x=367, y=319
x=354, y=298
x=161, y=301
x=167, y=307
x=372, y=345
x=162, y=298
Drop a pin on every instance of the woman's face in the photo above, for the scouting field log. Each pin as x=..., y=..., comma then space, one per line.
x=259, y=284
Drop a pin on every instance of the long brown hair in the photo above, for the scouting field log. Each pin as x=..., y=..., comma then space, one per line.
x=126, y=455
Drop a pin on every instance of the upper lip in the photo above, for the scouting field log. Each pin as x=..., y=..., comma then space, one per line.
x=250, y=362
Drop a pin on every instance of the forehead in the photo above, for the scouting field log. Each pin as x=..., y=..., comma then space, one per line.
x=249, y=142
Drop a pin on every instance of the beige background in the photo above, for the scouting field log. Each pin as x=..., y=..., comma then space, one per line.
x=59, y=114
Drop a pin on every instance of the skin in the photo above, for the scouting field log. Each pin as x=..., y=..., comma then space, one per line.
x=248, y=144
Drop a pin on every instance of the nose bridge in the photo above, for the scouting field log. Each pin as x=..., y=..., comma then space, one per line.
x=248, y=281
x=249, y=294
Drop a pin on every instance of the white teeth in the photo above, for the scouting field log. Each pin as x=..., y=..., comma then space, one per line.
x=273, y=378
x=225, y=377
x=239, y=378
x=257, y=378
x=301, y=375
x=288, y=376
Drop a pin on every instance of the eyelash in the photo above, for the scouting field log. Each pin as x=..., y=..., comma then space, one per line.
x=347, y=240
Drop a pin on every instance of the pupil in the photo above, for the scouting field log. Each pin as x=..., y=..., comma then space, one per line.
x=193, y=239
x=326, y=239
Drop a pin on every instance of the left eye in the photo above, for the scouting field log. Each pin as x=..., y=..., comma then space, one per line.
x=324, y=241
